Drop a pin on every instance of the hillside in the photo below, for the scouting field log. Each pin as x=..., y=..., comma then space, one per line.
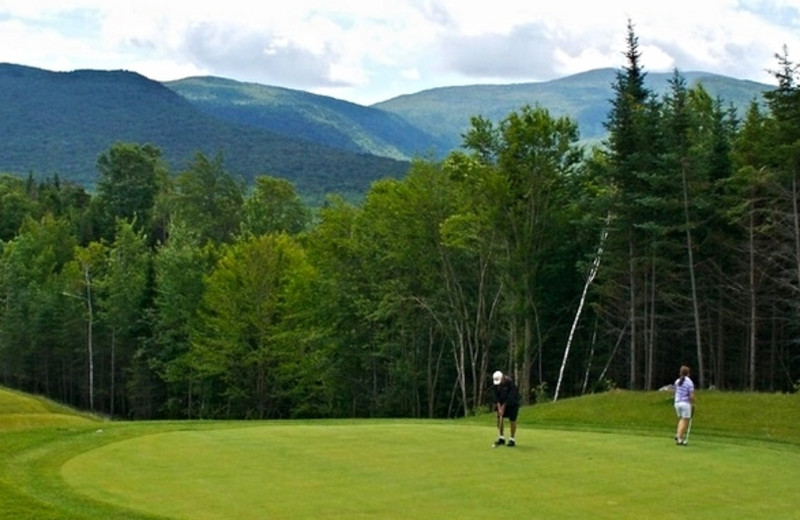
x=445, y=112
x=21, y=411
x=302, y=115
x=60, y=122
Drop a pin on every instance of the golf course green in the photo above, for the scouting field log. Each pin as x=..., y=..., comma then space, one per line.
x=602, y=456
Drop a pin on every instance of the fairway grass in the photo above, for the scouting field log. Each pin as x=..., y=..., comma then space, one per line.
x=606, y=456
x=432, y=470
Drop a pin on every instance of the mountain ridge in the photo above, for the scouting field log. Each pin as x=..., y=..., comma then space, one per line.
x=336, y=122
x=59, y=122
x=584, y=97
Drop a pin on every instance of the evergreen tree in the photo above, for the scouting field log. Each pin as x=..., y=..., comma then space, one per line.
x=632, y=148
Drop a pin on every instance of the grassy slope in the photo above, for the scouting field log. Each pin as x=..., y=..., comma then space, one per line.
x=745, y=415
x=26, y=424
x=42, y=443
x=19, y=411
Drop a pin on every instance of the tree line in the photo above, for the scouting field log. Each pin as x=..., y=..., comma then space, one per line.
x=575, y=269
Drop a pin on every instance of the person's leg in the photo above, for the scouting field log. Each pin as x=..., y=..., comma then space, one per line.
x=512, y=421
x=684, y=411
x=683, y=423
x=501, y=437
x=680, y=419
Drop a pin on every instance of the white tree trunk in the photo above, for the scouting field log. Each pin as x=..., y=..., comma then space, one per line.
x=592, y=273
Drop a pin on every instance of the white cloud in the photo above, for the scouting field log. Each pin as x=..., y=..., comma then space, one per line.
x=369, y=51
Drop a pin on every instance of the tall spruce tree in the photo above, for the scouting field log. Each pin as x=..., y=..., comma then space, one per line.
x=631, y=156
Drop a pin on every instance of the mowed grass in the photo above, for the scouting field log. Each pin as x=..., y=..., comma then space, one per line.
x=19, y=411
x=601, y=456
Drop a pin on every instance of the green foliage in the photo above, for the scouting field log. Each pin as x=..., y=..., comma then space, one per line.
x=14, y=206
x=273, y=206
x=530, y=159
x=128, y=180
x=334, y=315
x=237, y=346
x=31, y=289
x=218, y=294
x=123, y=296
x=162, y=373
x=209, y=198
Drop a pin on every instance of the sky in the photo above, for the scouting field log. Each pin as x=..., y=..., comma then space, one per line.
x=366, y=51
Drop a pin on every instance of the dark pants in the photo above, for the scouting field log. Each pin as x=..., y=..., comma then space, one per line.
x=511, y=413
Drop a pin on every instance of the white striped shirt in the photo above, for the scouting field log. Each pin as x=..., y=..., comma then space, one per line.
x=683, y=391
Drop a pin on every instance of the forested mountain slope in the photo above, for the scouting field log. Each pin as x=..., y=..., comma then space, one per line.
x=585, y=98
x=58, y=123
x=298, y=114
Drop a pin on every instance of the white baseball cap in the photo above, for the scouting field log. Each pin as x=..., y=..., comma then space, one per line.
x=497, y=377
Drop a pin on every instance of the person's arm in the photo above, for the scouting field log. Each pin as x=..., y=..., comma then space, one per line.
x=501, y=398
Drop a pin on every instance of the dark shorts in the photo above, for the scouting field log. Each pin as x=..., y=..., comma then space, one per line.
x=511, y=413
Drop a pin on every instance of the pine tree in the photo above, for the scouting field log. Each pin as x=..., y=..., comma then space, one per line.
x=632, y=149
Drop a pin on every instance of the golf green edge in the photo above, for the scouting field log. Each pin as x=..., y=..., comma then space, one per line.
x=34, y=452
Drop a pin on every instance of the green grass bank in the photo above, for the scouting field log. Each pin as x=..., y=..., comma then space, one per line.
x=600, y=456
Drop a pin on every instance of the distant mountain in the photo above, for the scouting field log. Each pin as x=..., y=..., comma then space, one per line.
x=445, y=112
x=53, y=122
x=301, y=115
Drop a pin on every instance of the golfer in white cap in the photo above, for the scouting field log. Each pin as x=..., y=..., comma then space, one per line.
x=505, y=398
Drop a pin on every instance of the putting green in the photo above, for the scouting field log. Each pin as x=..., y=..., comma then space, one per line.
x=434, y=470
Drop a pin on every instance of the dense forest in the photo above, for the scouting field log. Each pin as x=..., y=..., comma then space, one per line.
x=192, y=295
